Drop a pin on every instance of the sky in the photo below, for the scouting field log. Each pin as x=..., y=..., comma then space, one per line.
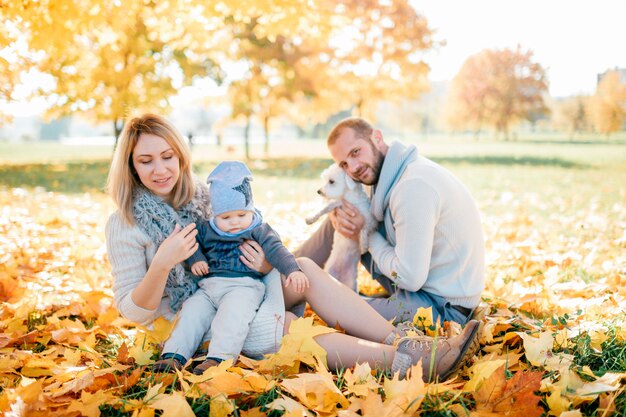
x=573, y=40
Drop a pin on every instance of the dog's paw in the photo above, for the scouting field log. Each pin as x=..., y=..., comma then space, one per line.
x=310, y=220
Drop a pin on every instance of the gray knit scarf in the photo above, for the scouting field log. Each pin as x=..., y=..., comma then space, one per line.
x=397, y=158
x=157, y=219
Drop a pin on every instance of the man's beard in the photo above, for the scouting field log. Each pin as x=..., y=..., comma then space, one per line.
x=376, y=166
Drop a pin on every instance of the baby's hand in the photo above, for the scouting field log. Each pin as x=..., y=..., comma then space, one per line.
x=299, y=280
x=200, y=268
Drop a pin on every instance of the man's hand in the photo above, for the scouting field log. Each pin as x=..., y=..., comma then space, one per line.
x=299, y=280
x=200, y=268
x=347, y=220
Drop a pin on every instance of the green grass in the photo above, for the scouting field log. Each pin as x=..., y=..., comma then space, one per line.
x=528, y=164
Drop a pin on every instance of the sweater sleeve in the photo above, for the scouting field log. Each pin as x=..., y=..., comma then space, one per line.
x=275, y=252
x=198, y=255
x=415, y=208
x=129, y=264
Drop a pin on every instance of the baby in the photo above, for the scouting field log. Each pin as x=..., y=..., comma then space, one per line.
x=234, y=291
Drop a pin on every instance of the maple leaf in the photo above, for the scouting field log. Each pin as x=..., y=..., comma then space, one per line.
x=39, y=367
x=89, y=404
x=482, y=370
x=369, y=406
x=27, y=396
x=161, y=329
x=298, y=345
x=141, y=351
x=174, y=405
x=291, y=406
x=360, y=381
x=317, y=391
x=516, y=396
x=80, y=382
x=538, y=350
x=302, y=332
x=221, y=407
x=406, y=394
x=423, y=319
x=123, y=355
x=557, y=403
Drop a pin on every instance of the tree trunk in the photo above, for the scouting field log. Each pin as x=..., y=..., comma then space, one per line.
x=118, y=125
x=266, y=131
x=359, y=108
x=246, y=138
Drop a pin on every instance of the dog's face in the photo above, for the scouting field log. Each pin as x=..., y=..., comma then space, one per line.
x=336, y=183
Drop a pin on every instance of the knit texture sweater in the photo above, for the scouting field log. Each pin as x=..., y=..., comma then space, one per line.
x=432, y=234
x=130, y=253
x=222, y=252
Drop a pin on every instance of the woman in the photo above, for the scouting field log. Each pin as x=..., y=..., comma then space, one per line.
x=153, y=232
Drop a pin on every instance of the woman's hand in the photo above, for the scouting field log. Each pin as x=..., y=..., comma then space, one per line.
x=347, y=220
x=177, y=247
x=253, y=257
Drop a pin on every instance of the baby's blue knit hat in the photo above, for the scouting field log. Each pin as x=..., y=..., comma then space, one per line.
x=230, y=187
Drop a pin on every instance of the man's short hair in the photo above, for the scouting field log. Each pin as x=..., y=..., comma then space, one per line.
x=361, y=127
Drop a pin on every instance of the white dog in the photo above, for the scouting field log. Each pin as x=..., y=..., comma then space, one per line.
x=344, y=256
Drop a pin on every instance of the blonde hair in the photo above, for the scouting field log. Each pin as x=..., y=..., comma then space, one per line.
x=123, y=179
x=361, y=127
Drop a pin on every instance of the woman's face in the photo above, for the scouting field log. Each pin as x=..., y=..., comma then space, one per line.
x=157, y=164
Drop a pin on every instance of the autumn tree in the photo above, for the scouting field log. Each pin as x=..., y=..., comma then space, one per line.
x=12, y=65
x=272, y=79
x=377, y=52
x=496, y=88
x=571, y=115
x=608, y=105
x=133, y=55
x=110, y=61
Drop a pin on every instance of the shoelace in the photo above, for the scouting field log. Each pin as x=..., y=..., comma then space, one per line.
x=403, y=328
x=412, y=342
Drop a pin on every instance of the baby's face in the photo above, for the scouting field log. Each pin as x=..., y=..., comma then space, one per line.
x=234, y=221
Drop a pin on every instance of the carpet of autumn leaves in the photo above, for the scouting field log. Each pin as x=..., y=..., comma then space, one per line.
x=554, y=302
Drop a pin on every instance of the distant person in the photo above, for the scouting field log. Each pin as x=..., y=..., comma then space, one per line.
x=429, y=248
x=232, y=293
x=154, y=231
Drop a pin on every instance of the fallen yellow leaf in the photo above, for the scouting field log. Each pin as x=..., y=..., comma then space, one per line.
x=173, y=405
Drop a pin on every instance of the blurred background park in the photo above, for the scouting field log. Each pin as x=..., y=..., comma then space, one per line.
x=238, y=73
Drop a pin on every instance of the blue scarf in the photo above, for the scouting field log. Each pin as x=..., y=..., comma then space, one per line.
x=397, y=158
x=256, y=221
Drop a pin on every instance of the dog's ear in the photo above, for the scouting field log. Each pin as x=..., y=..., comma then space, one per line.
x=350, y=182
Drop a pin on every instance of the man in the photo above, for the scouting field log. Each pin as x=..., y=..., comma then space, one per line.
x=429, y=249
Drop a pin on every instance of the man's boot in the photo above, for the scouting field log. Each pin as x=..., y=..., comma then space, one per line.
x=450, y=354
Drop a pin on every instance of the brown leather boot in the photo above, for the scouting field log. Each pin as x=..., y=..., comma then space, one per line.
x=450, y=354
x=402, y=330
x=199, y=370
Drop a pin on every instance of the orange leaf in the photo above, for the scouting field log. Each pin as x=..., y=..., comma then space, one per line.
x=516, y=396
x=123, y=355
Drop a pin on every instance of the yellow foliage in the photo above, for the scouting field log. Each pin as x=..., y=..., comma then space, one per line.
x=67, y=351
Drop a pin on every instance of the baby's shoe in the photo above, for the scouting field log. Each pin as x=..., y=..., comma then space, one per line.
x=169, y=362
x=208, y=363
